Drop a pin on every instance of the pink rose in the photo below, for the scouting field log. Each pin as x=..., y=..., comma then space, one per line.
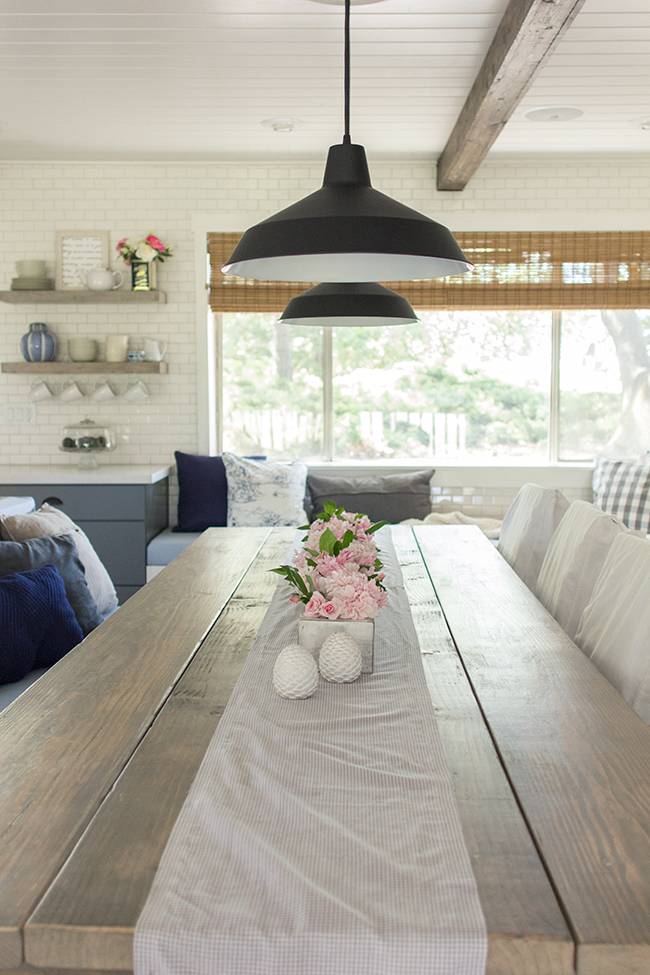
x=330, y=609
x=155, y=243
x=313, y=607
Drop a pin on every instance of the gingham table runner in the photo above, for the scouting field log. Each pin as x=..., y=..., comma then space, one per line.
x=320, y=837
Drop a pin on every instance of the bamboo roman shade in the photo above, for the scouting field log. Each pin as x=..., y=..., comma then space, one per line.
x=534, y=270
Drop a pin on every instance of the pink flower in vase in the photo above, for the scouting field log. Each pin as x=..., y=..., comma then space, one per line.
x=155, y=243
x=314, y=605
x=330, y=609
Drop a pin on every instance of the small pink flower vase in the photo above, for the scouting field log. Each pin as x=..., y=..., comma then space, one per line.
x=312, y=634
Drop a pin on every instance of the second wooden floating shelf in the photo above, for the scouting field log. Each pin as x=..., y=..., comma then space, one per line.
x=81, y=297
x=161, y=368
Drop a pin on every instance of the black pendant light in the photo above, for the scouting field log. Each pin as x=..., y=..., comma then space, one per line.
x=347, y=231
x=353, y=304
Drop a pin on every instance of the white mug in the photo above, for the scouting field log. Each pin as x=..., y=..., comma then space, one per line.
x=102, y=391
x=30, y=269
x=116, y=348
x=40, y=391
x=70, y=392
x=82, y=349
x=154, y=351
x=136, y=392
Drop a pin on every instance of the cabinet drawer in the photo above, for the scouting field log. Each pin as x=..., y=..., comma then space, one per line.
x=121, y=547
x=91, y=502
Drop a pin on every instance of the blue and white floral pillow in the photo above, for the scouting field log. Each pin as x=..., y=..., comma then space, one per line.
x=265, y=492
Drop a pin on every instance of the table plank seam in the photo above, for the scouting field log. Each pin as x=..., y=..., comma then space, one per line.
x=137, y=743
x=500, y=756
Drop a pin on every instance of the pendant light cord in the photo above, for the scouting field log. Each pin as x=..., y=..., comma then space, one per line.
x=346, y=57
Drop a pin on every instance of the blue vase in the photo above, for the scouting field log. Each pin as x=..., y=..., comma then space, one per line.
x=38, y=345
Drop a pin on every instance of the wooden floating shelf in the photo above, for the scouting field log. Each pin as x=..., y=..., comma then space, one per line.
x=81, y=297
x=161, y=368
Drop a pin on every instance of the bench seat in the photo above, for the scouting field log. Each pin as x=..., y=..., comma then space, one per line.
x=164, y=548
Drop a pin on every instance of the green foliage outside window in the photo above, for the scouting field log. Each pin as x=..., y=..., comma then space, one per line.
x=457, y=384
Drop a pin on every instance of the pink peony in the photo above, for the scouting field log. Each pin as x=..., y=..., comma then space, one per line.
x=155, y=243
x=341, y=584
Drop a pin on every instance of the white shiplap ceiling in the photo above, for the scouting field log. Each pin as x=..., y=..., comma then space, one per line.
x=194, y=79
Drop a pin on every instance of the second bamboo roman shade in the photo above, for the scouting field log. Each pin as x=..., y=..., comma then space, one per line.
x=535, y=270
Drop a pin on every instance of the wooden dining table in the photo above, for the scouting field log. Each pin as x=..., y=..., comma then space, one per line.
x=550, y=766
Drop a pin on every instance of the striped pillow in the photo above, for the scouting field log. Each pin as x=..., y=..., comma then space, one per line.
x=623, y=489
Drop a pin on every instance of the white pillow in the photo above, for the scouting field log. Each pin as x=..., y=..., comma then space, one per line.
x=527, y=529
x=573, y=561
x=614, y=629
x=265, y=492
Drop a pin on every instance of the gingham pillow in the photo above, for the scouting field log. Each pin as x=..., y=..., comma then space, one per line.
x=623, y=489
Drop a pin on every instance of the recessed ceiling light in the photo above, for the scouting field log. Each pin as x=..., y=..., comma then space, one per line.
x=353, y=3
x=641, y=123
x=554, y=113
x=282, y=124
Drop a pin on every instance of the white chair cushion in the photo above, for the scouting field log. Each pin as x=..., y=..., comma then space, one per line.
x=527, y=529
x=573, y=561
x=614, y=630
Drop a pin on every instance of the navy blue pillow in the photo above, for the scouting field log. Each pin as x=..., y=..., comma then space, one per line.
x=37, y=623
x=202, y=492
x=61, y=551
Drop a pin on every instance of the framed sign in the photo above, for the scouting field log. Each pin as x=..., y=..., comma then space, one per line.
x=77, y=252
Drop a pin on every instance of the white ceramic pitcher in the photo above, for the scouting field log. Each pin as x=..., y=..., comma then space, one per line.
x=154, y=350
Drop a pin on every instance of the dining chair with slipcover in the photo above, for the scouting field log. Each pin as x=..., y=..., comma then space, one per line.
x=527, y=529
x=615, y=625
x=573, y=562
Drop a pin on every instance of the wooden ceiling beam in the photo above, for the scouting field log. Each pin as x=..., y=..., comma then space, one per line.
x=526, y=36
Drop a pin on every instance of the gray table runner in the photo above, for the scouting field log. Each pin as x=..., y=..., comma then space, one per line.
x=320, y=836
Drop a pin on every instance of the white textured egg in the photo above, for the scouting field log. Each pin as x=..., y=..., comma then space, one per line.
x=295, y=673
x=340, y=658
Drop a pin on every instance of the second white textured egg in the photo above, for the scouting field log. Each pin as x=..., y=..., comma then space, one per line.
x=340, y=658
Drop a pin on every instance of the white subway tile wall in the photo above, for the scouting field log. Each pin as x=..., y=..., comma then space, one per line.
x=492, y=502
x=38, y=198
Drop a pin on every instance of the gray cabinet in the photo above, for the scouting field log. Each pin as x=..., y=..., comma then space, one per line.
x=119, y=519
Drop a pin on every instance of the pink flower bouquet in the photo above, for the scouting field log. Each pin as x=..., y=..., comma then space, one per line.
x=143, y=249
x=337, y=573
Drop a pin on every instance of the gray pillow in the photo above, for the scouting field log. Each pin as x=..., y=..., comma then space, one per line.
x=388, y=497
x=61, y=552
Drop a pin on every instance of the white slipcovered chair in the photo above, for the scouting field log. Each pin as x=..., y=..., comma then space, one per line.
x=614, y=630
x=527, y=529
x=573, y=562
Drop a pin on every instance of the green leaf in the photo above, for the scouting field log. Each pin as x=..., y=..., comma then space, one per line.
x=376, y=527
x=328, y=541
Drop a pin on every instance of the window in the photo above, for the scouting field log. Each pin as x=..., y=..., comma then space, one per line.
x=458, y=385
x=272, y=388
x=471, y=383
